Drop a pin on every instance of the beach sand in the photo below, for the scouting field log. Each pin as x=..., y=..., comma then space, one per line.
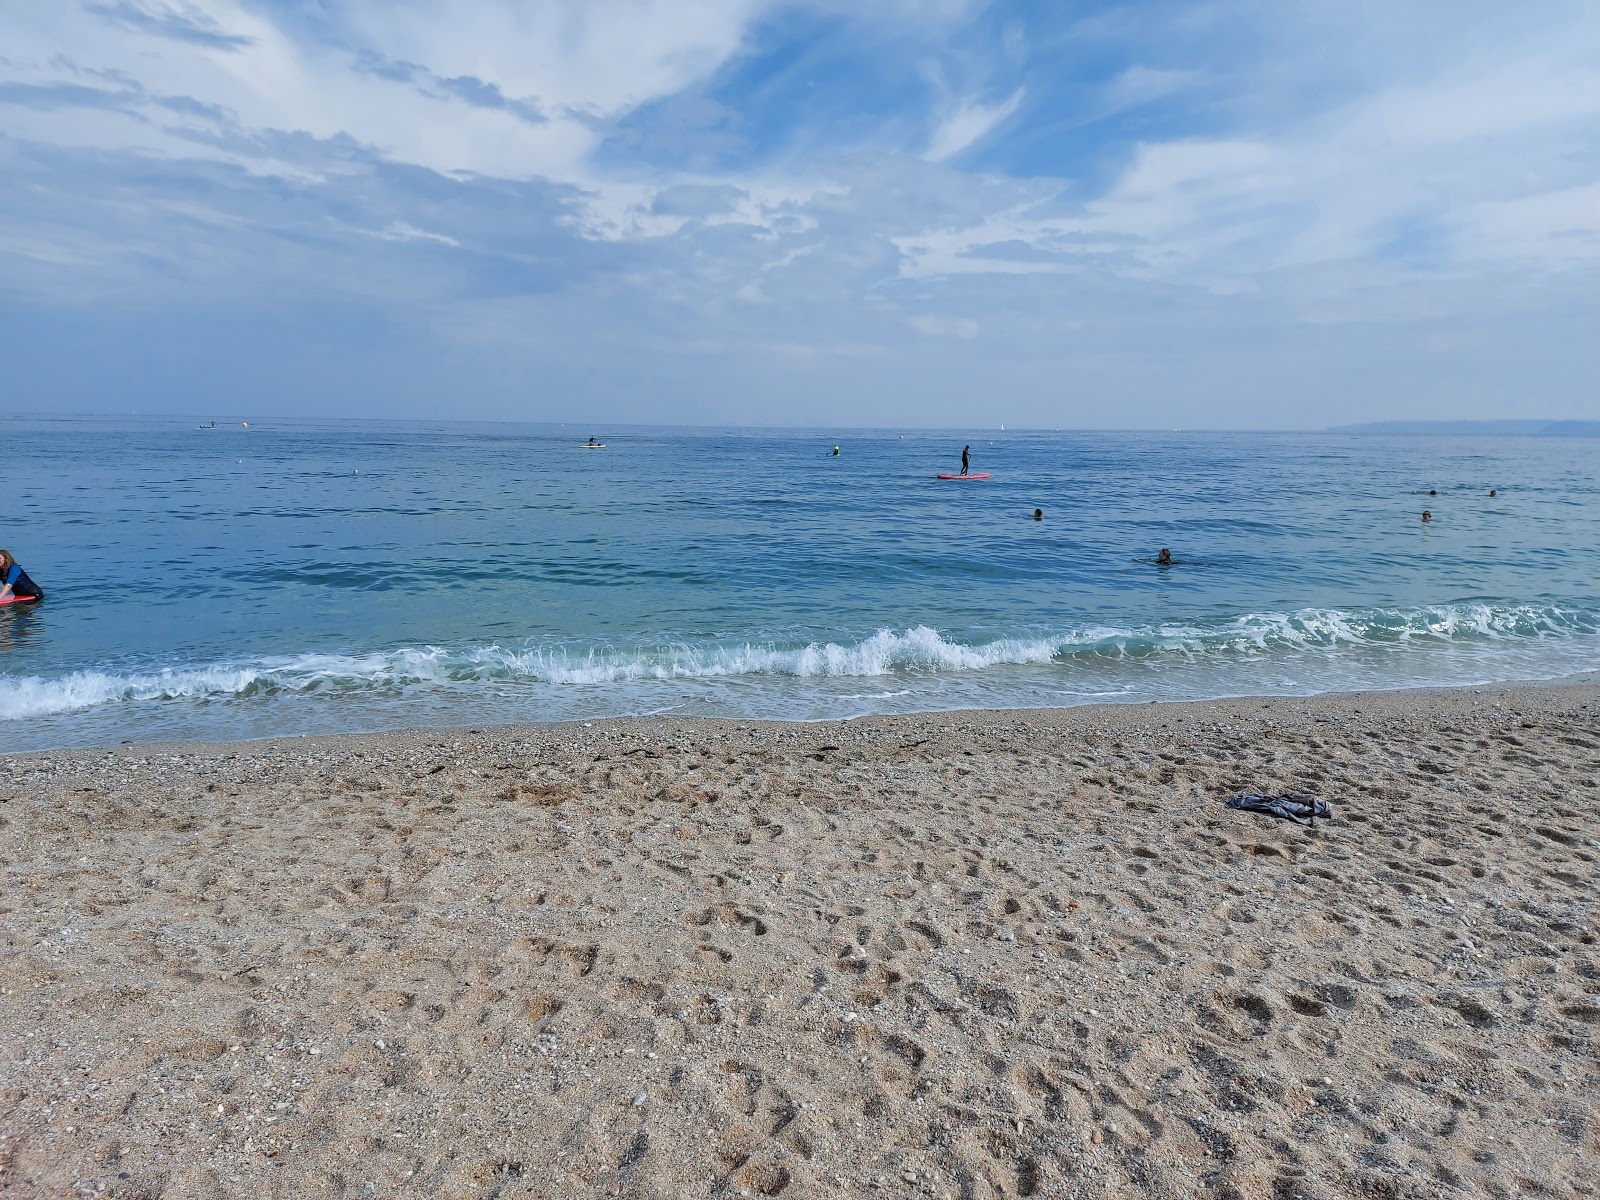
x=959, y=955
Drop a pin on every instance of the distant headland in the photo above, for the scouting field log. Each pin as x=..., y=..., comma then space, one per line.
x=1497, y=428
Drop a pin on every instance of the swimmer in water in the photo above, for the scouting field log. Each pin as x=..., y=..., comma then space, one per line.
x=1038, y=514
x=1493, y=492
x=1164, y=559
x=14, y=580
x=1427, y=515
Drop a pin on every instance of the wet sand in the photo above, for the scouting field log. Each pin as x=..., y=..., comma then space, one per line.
x=963, y=955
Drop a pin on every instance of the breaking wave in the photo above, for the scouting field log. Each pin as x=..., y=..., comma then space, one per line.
x=1492, y=635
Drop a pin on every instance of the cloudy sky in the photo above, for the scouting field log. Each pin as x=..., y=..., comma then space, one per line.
x=1237, y=214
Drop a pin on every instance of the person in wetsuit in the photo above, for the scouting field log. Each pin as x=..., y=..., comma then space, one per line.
x=966, y=457
x=14, y=580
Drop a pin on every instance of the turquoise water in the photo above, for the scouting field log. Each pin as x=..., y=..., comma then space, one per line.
x=320, y=577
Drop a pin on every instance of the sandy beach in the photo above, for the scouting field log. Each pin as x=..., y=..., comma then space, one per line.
x=963, y=955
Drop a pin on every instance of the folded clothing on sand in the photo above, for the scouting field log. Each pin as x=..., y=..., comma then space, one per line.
x=1300, y=809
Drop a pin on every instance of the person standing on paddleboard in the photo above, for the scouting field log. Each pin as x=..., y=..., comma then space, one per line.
x=14, y=580
x=966, y=457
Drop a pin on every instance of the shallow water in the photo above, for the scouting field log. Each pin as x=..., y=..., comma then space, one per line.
x=320, y=577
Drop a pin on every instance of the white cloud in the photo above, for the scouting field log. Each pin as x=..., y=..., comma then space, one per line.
x=1142, y=85
x=968, y=124
x=1312, y=184
x=599, y=57
x=573, y=61
x=961, y=327
x=1560, y=228
x=1468, y=166
x=401, y=231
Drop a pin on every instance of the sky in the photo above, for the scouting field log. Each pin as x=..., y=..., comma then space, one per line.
x=825, y=213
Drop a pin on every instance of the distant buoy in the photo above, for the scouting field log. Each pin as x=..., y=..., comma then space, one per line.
x=246, y=424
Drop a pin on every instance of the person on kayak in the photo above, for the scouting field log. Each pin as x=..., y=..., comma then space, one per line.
x=14, y=580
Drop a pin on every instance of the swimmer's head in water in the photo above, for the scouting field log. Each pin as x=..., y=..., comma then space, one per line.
x=1165, y=557
x=1427, y=515
x=1493, y=492
x=1432, y=492
x=1038, y=514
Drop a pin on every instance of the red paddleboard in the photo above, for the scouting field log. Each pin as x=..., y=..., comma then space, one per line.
x=981, y=475
x=18, y=599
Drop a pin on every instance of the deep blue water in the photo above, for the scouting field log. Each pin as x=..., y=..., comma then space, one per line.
x=301, y=577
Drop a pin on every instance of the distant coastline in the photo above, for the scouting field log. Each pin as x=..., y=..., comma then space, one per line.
x=1496, y=428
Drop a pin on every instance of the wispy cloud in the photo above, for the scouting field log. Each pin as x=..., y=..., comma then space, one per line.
x=400, y=231
x=961, y=327
x=969, y=123
x=175, y=19
x=467, y=88
x=47, y=97
x=1145, y=85
x=894, y=198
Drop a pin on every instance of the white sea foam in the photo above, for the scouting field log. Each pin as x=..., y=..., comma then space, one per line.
x=35, y=696
x=920, y=648
x=918, y=651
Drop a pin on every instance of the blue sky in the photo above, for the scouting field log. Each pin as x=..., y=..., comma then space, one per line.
x=1243, y=214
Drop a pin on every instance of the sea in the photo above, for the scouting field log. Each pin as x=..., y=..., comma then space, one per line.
x=269, y=578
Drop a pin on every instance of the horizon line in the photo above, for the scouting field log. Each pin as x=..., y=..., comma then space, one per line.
x=1353, y=428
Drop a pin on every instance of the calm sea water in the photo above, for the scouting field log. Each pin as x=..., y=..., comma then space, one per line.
x=291, y=578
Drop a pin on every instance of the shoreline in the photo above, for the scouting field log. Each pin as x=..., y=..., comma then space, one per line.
x=959, y=954
x=1096, y=713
